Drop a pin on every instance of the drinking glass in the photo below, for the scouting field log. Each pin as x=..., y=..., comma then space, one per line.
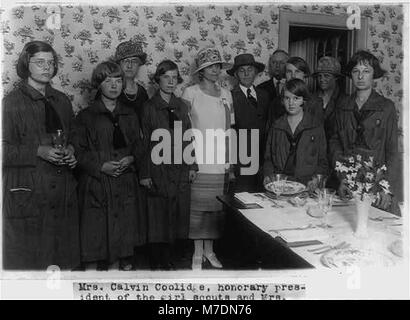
x=59, y=140
x=321, y=181
x=325, y=202
x=278, y=185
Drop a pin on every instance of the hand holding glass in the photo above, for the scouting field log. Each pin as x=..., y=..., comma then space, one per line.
x=59, y=142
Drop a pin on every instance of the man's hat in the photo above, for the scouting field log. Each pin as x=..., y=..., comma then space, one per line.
x=245, y=59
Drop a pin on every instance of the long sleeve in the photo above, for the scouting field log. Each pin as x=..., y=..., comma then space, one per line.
x=268, y=167
x=89, y=160
x=323, y=166
x=144, y=168
x=18, y=149
x=335, y=146
x=391, y=145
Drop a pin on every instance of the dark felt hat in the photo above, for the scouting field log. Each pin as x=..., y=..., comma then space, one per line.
x=245, y=59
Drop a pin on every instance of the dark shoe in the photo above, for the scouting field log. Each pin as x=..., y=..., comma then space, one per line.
x=125, y=264
x=102, y=266
x=168, y=266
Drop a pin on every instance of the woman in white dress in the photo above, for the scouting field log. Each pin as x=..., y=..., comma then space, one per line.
x=210, y=109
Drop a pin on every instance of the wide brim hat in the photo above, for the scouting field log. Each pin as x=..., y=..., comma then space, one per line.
x=129, y=49
x=328, y=65
x=245, y=59
x=207, y=57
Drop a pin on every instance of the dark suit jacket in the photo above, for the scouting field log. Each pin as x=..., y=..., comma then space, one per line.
x=249, y=117
x=269, y=87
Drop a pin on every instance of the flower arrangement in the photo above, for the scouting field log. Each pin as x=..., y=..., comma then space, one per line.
x=364, y=178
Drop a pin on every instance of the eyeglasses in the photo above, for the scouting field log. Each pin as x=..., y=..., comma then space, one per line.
x=131, y=61
x=43, y=63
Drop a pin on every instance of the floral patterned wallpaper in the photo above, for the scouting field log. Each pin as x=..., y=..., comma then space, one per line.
x=89, y=34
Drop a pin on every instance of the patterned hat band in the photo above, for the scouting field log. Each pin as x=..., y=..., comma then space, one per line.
x=328, y=65
x=130, y=49
x=208, y=57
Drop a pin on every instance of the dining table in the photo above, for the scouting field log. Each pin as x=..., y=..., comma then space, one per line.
x=300, y=234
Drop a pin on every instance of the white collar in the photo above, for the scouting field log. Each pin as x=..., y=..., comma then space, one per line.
x=245, y=91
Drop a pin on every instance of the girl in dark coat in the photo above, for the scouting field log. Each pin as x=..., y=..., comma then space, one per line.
x=40, y=208
x=109, y=145
x=167, y=184
x=367, y=124
x=296, y=68
x=296, y=143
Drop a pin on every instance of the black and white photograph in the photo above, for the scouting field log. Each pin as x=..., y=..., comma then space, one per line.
x=204, y=150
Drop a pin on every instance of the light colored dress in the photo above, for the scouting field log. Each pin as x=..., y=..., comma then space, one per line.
x=209, y=113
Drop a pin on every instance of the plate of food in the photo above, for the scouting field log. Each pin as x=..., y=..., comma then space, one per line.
x=349, y=257
x=288, y=188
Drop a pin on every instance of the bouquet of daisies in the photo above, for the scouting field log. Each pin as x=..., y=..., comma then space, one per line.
x=364, y=178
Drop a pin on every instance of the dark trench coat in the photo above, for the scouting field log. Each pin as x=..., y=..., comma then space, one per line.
x=310, y=151
x=169, y=198
x=112, y=222
x=40, y=221
x=380, y=137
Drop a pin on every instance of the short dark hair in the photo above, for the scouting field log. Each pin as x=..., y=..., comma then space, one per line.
x=279, y=51
x=163, y=67
x=365, y=57
x=297, y=87
x=300, y=64
x=29, y=50
x=104, y=70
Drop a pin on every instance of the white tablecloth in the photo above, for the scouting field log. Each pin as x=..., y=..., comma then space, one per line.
x=342, y=220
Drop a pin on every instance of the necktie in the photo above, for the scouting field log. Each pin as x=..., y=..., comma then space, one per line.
x=360, y=115
x=251, y=98
x=52, y=119
x=277, y=88
x=118, y=139
x=290, y=165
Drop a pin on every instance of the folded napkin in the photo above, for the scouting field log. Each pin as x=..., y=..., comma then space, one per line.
x=303, y=235
x=247, y=198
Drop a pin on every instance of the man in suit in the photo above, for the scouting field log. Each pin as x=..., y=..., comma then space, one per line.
x=251, y=106
x=277, y=69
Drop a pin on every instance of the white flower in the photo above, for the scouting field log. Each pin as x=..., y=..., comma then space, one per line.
x=383, y=168
x=351, y=160
x=340, y=167
x=385, y=185
x=369, y=175
x=359, y=157
x=368, y=186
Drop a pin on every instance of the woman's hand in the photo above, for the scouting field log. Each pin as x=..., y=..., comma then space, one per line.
x=146, y=183
x=266, y=180
x=111, y=168
x=384, y=201
x=50, y=154
x=125, y=163
x=69, y=157
x=312, y=185
x=192, y=176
